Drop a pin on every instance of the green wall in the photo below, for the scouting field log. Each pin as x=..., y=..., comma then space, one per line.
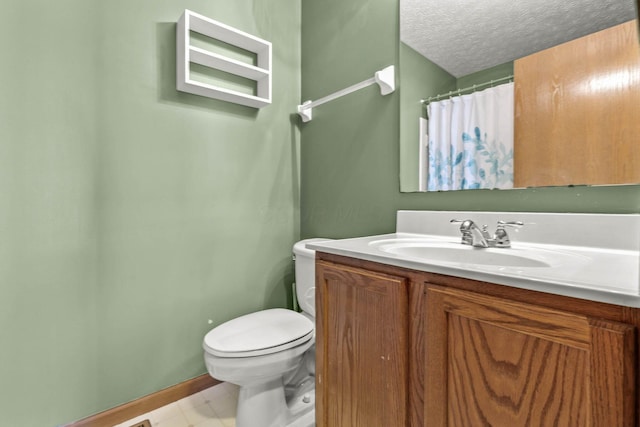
x=350, y=149
x=132, y=214
x=350, y=160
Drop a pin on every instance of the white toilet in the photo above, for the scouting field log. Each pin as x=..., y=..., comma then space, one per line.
x=270, y=354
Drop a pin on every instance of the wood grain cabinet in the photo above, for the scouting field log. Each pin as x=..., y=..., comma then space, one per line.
x=496, y=362
x=362, y=358
x=398, y=347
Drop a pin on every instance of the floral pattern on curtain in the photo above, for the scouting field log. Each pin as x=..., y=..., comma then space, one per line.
x=471, y=141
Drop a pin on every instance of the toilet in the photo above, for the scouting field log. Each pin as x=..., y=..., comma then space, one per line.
x=270, y=354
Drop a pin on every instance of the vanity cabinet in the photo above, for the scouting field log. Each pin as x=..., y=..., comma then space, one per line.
x=399, y=347
x=362, y=357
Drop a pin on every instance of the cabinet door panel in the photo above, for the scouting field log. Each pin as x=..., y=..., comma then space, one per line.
x=362, y=350
x=517, y=378
x=495, y=362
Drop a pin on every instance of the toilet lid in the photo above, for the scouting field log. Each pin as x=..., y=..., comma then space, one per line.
x=259, y=333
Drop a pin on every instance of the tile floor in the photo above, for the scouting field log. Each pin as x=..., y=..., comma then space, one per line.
x=213, y=407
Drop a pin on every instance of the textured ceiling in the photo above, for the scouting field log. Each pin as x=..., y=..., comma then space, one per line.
x=465, y=36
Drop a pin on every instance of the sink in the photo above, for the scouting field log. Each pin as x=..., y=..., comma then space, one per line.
x=464, y=255
x=588, y=256
x=455, y=253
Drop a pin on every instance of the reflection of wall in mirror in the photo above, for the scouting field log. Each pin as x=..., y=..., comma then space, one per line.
x=576, y=111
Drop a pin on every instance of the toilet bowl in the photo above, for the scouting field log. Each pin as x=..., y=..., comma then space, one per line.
x=270, y=354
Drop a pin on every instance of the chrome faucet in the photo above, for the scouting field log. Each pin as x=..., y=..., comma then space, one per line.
x=480, y=238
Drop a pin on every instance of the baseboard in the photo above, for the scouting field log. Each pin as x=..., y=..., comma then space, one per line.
x=148, y=403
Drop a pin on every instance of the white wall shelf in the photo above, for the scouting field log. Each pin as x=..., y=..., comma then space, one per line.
x=188, y=54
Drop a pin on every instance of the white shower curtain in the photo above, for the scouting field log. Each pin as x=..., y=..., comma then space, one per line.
x=471, y=141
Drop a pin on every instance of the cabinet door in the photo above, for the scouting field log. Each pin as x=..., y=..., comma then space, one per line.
x=496, y=362
x=361, y=348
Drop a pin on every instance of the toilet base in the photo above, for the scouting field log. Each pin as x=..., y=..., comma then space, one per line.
x=265, y=400
x=307, y=420
x=267, y=405
x=301, y=404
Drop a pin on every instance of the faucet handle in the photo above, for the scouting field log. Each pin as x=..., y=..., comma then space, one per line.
x=465, y=229
x=465, y=224
x=515, y=224
x=501, y=238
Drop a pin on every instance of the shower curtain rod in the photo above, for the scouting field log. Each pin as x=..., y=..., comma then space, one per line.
x=466, y=89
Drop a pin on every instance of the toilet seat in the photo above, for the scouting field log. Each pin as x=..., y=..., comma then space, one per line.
x=260, y=333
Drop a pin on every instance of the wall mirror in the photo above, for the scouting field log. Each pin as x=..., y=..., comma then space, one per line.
x=469, y=43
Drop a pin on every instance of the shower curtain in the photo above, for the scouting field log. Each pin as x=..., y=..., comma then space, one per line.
x=471, y=141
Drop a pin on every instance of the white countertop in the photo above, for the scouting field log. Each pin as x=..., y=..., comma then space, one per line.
x=601, y=264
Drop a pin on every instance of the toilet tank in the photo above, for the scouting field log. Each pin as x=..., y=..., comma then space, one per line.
x=306, y=275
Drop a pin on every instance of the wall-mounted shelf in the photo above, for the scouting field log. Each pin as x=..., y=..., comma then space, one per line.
x=188, y=54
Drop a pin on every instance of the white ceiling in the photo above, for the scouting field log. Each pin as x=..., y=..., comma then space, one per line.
x=465, y=36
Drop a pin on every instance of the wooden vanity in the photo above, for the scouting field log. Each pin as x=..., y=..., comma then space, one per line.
x=401, y=347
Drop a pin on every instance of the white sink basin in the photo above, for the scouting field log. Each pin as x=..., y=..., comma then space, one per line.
x=464, y=254
x=436, y=251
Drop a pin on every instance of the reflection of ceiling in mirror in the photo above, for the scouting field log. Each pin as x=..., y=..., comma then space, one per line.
x=465, y=36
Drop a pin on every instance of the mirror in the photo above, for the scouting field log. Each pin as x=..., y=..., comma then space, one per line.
x=468, y=43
